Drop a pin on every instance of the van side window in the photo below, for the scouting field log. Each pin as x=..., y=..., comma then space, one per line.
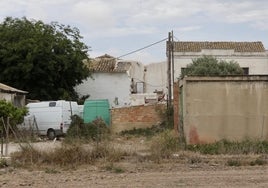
x=52, y=104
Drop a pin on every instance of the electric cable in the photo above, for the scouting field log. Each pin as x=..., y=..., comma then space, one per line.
x=132, y=52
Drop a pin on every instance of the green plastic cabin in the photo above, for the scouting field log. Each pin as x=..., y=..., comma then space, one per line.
x=94, y=109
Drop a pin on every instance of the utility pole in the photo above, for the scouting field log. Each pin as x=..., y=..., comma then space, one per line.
x=170, y=68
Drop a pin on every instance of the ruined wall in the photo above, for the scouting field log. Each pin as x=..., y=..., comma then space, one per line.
x=128, y=118
x=232, y=108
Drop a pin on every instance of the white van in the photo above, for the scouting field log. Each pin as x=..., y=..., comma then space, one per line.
x=53, y=118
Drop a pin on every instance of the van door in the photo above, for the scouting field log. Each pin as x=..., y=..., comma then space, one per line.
x=66, y=115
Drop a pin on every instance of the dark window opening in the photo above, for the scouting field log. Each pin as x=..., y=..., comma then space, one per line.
x=245, y=70
x=52, y=104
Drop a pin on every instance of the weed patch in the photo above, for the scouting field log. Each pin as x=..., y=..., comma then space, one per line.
x=164, y=145
x=258, y=161
x=69, y=155
x=110, y=167
x=147, y=132
x=233, y=162
x=3, y=163
x=227, y=147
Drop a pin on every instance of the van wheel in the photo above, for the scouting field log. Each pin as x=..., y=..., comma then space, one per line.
x=51, y=134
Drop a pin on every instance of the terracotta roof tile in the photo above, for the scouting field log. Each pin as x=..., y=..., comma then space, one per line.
x=191, y=46
x=107, y=63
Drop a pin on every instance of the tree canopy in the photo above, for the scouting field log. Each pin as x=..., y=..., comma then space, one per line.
x=43, y=59
x=210, y=66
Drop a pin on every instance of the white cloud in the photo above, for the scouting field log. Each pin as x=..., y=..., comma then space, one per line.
x=122, y=21
x=187, y=28
x=95, y=14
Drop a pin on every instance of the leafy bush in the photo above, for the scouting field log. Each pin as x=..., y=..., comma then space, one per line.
x=96, y=131
x=15, y=114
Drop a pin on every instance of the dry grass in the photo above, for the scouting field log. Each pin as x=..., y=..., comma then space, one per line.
x=164, y=145
x=70, y=155
x=161, y=149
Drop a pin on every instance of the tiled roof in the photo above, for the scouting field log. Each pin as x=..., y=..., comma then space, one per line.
x=8, y=89
x=236, y=46
x=107, y=63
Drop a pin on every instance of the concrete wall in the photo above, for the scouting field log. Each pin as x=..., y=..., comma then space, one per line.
x=232, y=108
x=112, y=86
x=128, y=118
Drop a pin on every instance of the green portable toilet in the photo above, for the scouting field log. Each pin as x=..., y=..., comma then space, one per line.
x=94, y=109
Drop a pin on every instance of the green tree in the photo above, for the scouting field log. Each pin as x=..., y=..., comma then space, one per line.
x=15, y=114
x=210, y=66
x=44, y=59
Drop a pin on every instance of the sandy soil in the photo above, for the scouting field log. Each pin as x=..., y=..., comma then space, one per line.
x=159, y=176
x=205, y=171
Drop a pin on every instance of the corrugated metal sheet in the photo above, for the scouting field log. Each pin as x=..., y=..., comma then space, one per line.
x=7, y=89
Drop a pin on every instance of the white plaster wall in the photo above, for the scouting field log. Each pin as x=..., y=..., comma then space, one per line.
x=256, y=62
x=136, y=71
x=156, y=77
x=107, y=86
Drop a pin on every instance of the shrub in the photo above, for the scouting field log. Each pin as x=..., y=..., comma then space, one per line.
x=8, y=110
x=164, y=145
x=96, y=131
x=210, y=66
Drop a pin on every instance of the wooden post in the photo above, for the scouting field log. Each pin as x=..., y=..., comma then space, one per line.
x=7, y=136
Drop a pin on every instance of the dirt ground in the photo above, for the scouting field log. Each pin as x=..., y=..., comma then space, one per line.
x=192, y=170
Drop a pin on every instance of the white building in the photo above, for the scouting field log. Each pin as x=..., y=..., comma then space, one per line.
x=251, y=56
x=127, y=83
x=15, y=96
x=114, y=80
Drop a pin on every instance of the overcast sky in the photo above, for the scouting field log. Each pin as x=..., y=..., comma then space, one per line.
x=116, y=27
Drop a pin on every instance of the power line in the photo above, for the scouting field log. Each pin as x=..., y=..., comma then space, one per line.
x=176, y=38
x=132, y=52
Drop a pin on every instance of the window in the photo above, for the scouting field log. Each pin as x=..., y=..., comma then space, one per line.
x=52, y=104
x=245, y=69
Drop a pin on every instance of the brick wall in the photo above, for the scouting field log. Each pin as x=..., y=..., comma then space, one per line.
x=176, y=106
x=142, y=116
